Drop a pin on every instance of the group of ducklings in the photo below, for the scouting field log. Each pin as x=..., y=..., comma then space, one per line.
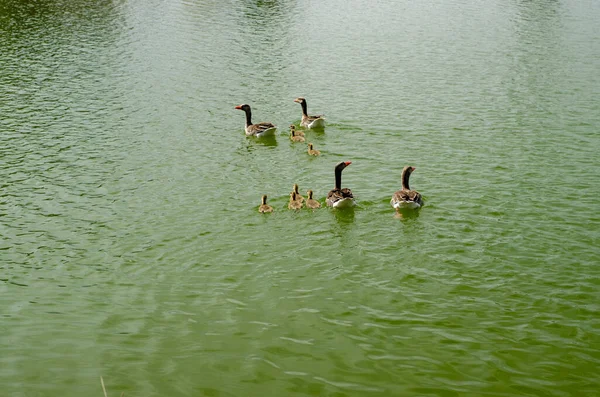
x=265, y=128
x=296, y=202
x=337, y=197
x=298, y=136
x=404, y=198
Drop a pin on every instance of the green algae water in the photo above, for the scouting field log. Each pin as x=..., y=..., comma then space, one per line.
x=131, y=246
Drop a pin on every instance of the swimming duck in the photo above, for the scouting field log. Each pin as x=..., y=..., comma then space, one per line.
x=338, y=197
x=295, y=137
x=294, y=203
x=406, y=198
x=298, y=196
x=309, y=121
x=264, y=207
x=313, y=152
x=259, y=129
x=297, y=132
x=310, y=202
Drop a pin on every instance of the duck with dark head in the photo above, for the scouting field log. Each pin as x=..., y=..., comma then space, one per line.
x=259, y=129
x=338, y=197
x=406, y=198
x=317, y=121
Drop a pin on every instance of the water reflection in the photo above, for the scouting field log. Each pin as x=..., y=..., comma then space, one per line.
x=249, y=145
x=263, y=10
x=344, y=216
x=23, y=16
x=544, y=13
x=264, y=40
x=537, y=27
x=263, y=141
x=406, y=214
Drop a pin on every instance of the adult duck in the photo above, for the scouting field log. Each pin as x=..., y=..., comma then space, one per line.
x=258, y=129
x=406, y=198
x=338, y=197
x=264, y=207
x=309, y=121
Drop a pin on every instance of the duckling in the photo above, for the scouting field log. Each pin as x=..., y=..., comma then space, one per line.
x=312, y=151
x=298, y=196
x=310, y=202
x=297, y=132
x=295, y=137
x=264, y=207
x=294, y=203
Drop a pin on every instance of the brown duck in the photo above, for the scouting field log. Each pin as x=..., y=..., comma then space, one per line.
x=312, y=151
x=294, y=203
x=406, y=198
x=259, y=129
x=310, y=202
x=264, y=207
x=338, y=197
x=309, y=121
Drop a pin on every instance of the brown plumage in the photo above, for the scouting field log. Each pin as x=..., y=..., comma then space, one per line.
x=259, y=129
x=310, y=202
x=339, y=197
x=294, y=137
x=309, y=121
x=296, y=132
x=312, y=151
x=264, y=207
x=298, y=196
x=294, y=203
x=406, y=198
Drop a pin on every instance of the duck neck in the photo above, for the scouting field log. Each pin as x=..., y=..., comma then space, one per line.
x=405, y=176
x=248, y=117
x=338, y=179
x=304, y=111
x=264, y=200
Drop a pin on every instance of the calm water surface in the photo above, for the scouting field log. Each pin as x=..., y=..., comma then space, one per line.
x=131, y=247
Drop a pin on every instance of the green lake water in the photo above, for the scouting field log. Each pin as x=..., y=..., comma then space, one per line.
x=130, y=243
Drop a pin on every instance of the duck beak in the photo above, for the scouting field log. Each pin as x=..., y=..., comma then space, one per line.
x=238, y=107
x=348, y=163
